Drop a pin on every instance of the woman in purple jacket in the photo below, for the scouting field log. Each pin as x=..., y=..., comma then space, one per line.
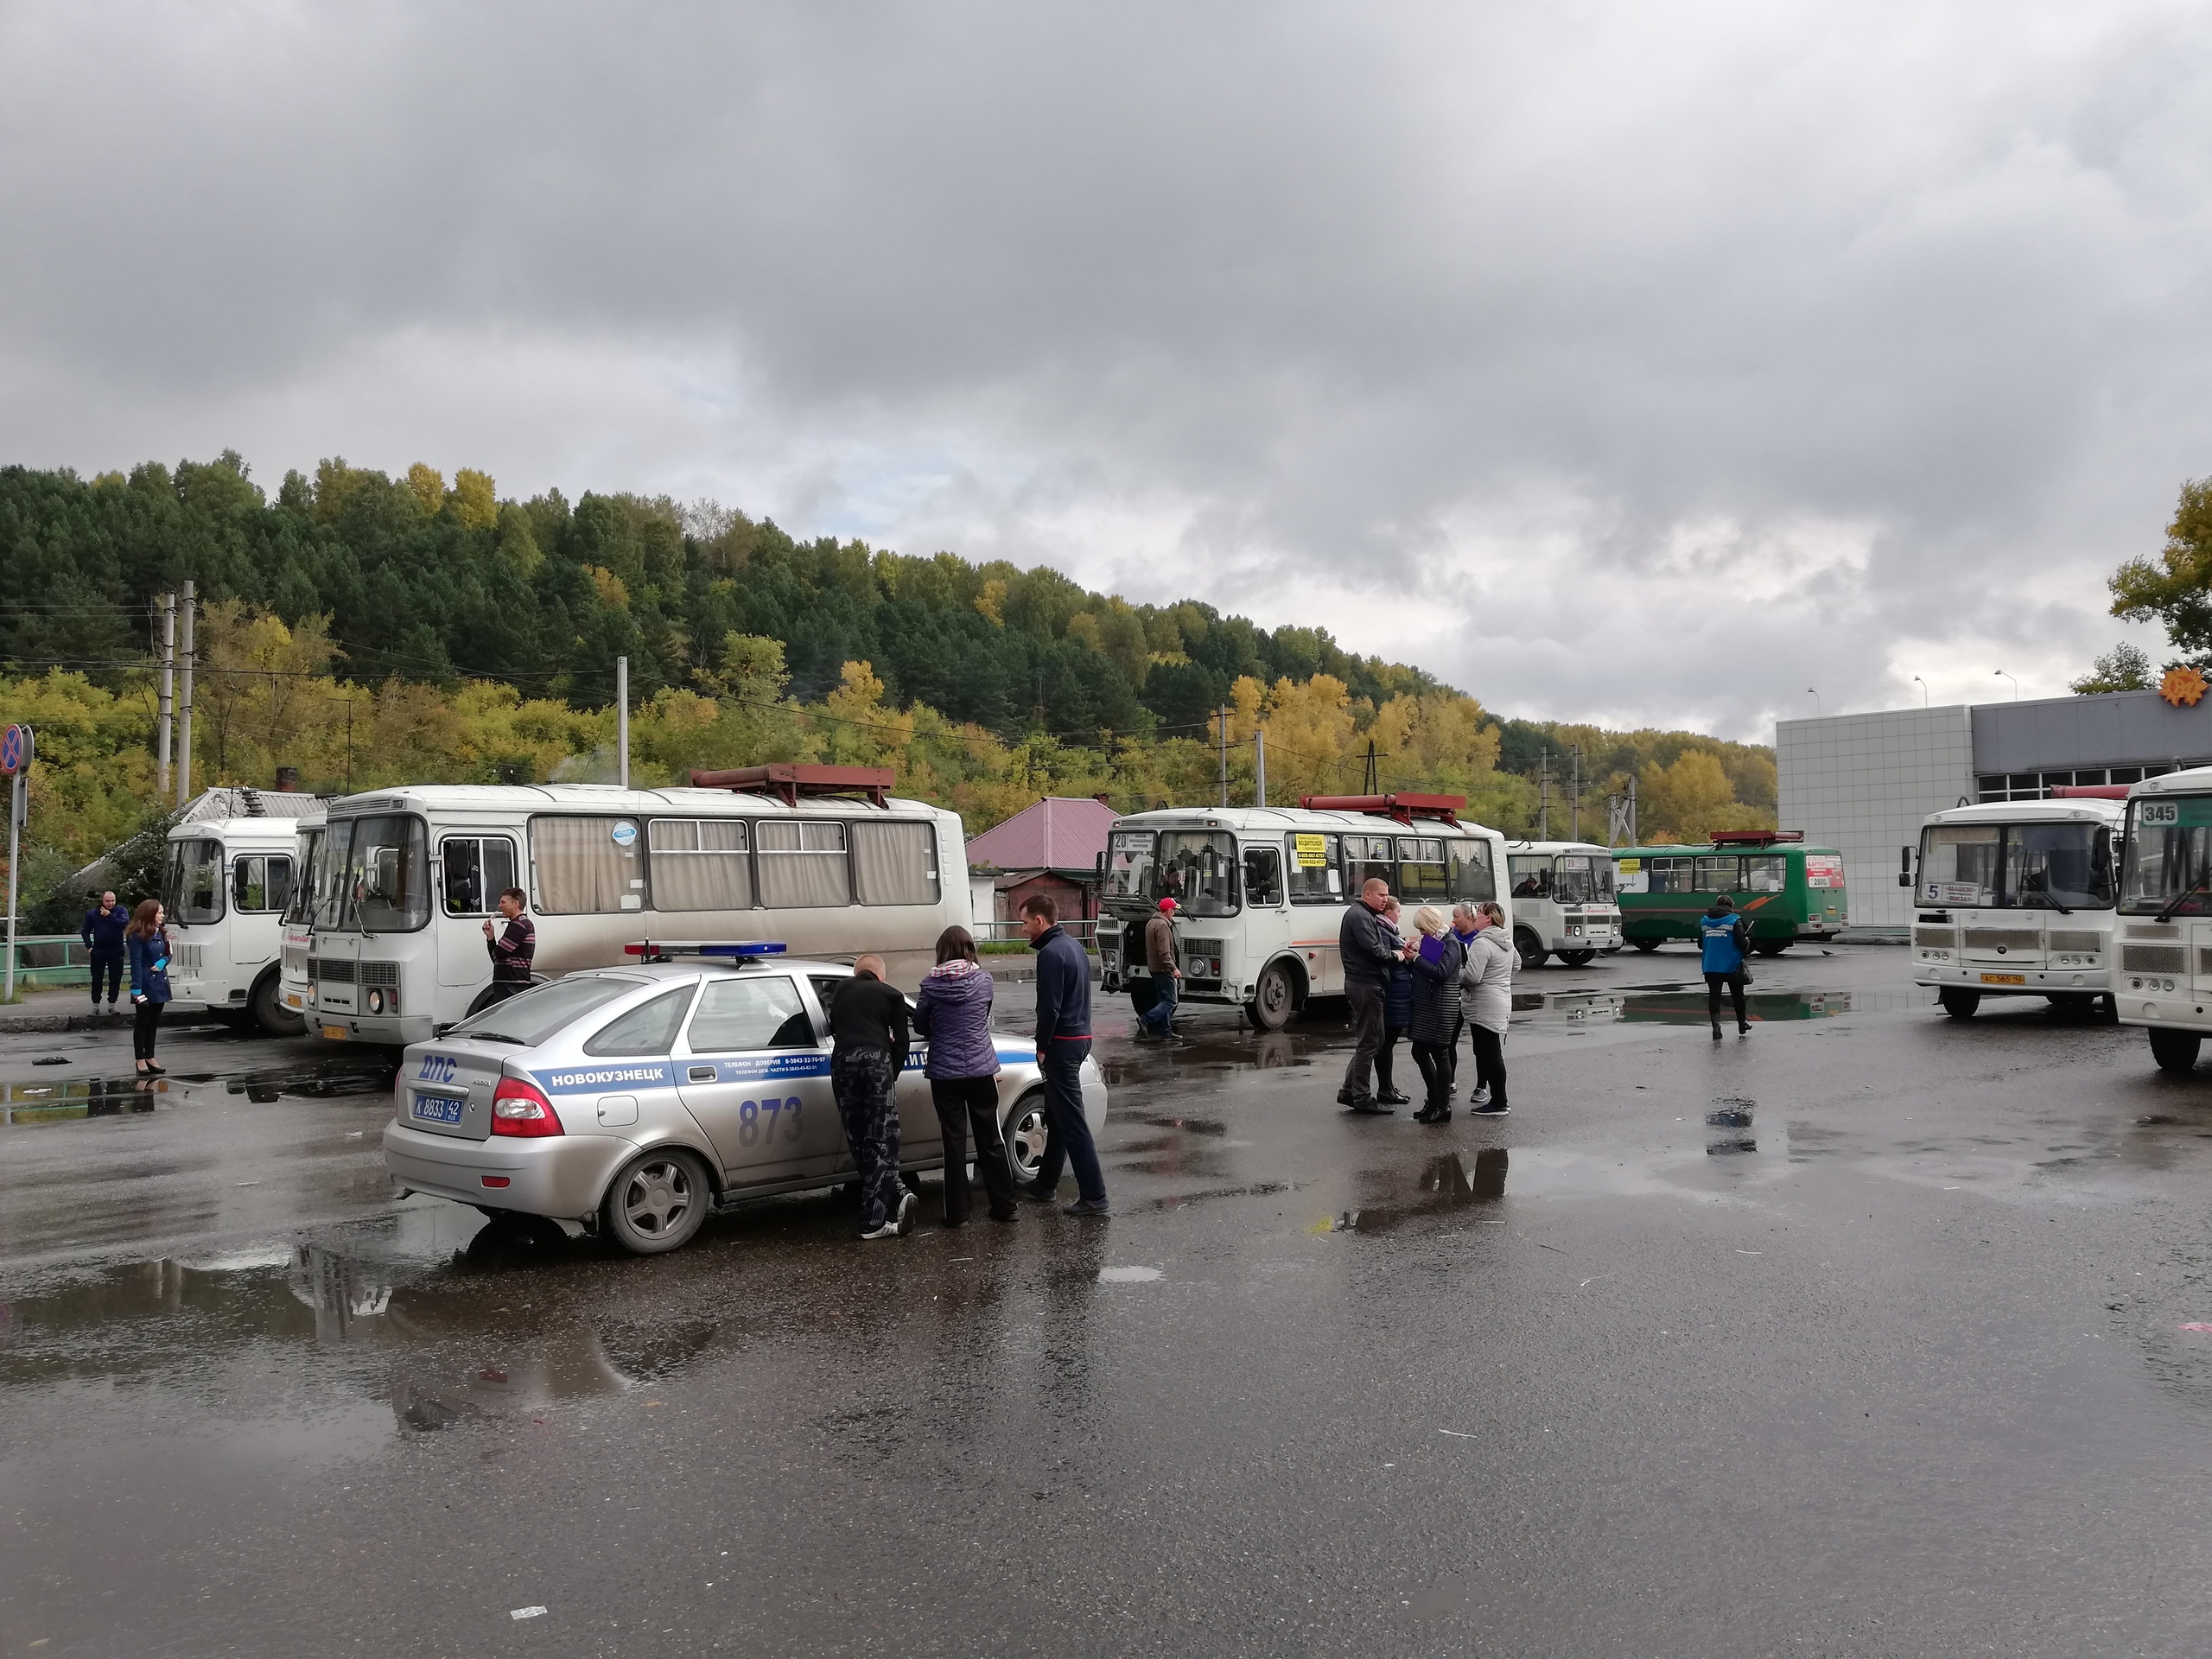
x=953, y=1013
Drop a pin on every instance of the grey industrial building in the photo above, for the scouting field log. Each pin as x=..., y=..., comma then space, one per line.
x=1862, y=784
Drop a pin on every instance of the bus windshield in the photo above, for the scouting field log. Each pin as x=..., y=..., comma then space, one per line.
x=301, y=907
x=1583, y=878
x=2168, y=857
x=385, y=886
x=193, y=893
x=1130, y=865
x=2017, y=866
x=1197, y=870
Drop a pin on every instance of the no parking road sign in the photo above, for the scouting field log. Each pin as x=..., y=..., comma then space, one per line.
x=15, y=750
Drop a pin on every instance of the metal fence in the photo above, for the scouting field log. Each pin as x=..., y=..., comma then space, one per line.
x=58, y=960
x=997, y=932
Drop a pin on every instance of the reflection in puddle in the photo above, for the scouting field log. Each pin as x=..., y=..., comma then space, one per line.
x=73, y=1099
x=1730, y=1122
x=1446, y=1183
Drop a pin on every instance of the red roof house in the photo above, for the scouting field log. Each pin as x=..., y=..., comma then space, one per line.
x=1052, y=847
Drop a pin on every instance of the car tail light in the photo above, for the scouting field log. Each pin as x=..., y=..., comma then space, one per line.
x=520, y=1108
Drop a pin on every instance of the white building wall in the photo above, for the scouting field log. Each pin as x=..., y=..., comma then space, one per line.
x=1862, y=784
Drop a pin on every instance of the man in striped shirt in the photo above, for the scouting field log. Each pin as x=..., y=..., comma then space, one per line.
x=512, y=951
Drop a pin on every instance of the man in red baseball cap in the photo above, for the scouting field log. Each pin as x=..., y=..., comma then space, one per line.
x=1158, y=1022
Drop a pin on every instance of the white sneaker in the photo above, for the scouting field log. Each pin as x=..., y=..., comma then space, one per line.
x=1480, y=1097
x=909, y=1207
x=889, y=1230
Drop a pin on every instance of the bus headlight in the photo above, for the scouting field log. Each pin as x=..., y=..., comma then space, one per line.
x=376, y=1001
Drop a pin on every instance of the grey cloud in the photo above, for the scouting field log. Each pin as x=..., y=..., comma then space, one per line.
x=1426, y=322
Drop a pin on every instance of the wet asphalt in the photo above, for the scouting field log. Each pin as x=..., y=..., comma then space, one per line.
x=1866, y=1334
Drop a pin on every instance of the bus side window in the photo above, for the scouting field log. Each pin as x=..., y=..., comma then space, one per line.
x=1422, y=873
x=1718, y=876
x=1768, y=873
x=1366, y=858
x=249, y=883
x=280, y=882
x=1315, y=878
x=1672, y=874
x=1262, y=876
x=1472, y=879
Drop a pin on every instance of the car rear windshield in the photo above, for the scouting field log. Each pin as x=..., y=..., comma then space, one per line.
x=537, y=1013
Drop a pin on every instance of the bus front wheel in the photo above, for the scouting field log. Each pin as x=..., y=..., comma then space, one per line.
x=1958, y=1004
x=1531, y=948
x=1645, y=944
x=266, y=1005
x=1769, y=947
x=2175, y=1051
x=1274, y=999
x=1578, y=958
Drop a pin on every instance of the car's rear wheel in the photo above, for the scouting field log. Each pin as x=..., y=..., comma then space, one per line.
x=1958, y=1004
x=1025, y=1136
x=656, y=1203
x=2175, y=1051
x=1273, y=999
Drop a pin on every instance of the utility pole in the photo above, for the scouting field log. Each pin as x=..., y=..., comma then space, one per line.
x=622, y=721
x=1576, y=833
x=1374, y=784
x=165, y=722
x=1259, y=766
x=1544, y=795
x=184, y=716
x=1223, y=735
x=16, y=747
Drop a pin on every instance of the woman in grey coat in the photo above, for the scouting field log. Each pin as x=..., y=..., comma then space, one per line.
x=1486, y=997
x=1435, y=1029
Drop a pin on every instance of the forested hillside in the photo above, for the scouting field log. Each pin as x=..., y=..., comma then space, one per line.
x=369, y=629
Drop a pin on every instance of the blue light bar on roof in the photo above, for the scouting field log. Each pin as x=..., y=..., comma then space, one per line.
x=653, y=951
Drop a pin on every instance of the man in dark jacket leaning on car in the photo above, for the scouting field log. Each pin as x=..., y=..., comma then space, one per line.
x=868, y=1038
x=1063, y=1044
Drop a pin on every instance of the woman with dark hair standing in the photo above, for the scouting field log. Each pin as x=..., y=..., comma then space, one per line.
x=953, y=1013
x=146, y=943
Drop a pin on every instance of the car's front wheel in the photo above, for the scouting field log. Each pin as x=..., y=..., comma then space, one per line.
x=656, y=1203
x=1025, y=1136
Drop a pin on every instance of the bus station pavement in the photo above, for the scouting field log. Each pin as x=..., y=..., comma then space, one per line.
x=1872, y=1333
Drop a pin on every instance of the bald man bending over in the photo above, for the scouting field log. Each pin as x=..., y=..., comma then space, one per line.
x=869, y=1036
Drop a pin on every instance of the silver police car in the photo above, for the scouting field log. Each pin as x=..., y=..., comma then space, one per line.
x=635, y=1100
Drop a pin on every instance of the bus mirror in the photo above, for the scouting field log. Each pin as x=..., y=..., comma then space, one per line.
x=1905, y=879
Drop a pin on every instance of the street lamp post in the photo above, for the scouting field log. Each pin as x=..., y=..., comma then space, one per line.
x=1815, y=696
x=1923, y=684
x=2001, y=674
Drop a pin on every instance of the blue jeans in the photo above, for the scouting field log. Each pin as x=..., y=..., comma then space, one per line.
x=1160, y=1018
x=1067, y=1132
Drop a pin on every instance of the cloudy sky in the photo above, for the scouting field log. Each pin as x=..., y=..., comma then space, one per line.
x=1649, y=365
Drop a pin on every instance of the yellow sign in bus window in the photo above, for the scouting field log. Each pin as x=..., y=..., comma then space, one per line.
x=1312, y=852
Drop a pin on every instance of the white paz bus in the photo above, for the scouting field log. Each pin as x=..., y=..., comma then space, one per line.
x=820, y=857
x=2163, y=978
x=225, y=887
x=1563, y=902
x=2015, y=899
x=1261, y=892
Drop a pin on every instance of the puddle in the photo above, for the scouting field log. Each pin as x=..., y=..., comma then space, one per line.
x=324, y=1080
x=1452, y=1181
x=1127, y=1275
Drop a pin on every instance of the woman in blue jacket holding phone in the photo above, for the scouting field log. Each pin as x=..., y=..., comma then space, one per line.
x=146, y=941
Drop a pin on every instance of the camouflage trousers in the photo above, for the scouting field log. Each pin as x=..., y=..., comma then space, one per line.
x=862, y=1079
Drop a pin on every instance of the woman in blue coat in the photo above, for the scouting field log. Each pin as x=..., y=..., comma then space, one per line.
x=953, y=1013
x=146, y=943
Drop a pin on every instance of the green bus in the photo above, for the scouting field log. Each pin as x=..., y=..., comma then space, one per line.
x=1787, y=890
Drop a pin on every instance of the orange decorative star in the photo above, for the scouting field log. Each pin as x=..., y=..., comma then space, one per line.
x=2183, y=687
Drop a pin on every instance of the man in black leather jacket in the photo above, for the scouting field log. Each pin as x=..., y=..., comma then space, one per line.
x=1368, y=946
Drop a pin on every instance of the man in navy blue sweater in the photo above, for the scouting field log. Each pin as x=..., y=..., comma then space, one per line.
x=103, y=936
x=1063, y=1043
